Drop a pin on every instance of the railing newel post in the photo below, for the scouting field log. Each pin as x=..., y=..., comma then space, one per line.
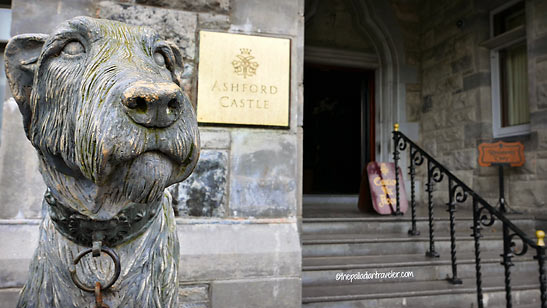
x=431, y=253
x=477, y=236
x=451, y=209
x=541, y=262
x=412, y=173
x=396, y=157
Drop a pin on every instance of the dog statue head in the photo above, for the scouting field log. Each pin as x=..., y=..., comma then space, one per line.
x=103, y=106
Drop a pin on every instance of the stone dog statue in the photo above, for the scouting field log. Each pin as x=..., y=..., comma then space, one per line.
x=102, y=104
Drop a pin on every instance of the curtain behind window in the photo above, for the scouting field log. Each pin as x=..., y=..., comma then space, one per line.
x=515, y=100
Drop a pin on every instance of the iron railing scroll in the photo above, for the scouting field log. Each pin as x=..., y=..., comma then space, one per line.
x=484, y=215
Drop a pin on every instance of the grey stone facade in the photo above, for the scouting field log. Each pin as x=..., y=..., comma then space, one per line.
x=240, y=212
x=455, y=112
x=231, y=241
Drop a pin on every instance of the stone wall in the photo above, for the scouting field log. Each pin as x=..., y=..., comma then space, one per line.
x=331, y=24
x=238, y=212
x=456, y=110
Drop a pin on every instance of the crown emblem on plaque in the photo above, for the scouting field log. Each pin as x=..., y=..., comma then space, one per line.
x=243, y=64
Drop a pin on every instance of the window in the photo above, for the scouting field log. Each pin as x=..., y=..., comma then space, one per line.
x=509, y=66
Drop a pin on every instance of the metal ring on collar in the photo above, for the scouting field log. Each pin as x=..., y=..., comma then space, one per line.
x=117, y=269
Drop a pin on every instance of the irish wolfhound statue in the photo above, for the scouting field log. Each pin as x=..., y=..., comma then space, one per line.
x=102, y=104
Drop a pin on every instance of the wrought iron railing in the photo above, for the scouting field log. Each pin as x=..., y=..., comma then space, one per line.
x=484, y=215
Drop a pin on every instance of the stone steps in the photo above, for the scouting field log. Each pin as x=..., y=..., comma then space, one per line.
x=401, y=224
x=421, y=294
x=391, y=244
x=323, y=270
x=337, y=239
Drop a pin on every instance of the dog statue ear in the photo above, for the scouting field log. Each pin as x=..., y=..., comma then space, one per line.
x=178, y=66
x=21, y=57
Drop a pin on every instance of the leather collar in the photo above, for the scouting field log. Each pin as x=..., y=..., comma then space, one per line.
x=83, y=230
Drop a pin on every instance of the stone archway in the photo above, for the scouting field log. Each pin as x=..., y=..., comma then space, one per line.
x=377, y=21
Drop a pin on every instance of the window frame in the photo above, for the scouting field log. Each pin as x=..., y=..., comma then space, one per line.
x=497, y=43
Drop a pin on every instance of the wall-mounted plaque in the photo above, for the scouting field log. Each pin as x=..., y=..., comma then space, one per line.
x=511, y=153
x=243, y=79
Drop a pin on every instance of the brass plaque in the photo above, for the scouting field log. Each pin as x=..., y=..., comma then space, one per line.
x=243, y=79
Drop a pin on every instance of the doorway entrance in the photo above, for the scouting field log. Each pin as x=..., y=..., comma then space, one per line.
x=338, y=128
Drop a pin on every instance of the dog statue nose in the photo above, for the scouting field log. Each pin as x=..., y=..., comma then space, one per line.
x=153, y=104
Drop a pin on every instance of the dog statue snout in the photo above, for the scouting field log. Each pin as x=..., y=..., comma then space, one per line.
x=154, y=105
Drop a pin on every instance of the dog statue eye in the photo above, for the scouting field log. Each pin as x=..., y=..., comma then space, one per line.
x=159, y=58
x=73, y=48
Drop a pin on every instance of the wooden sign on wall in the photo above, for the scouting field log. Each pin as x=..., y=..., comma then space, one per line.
x=511, y=153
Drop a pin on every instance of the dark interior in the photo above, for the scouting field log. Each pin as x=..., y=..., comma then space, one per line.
x=337, y=120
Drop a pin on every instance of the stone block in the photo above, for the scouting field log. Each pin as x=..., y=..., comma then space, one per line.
x=462, y=64
x=465, y=159
x=487, y=186
x=46, y=14
x=432, y=75
x=449, y=85
x=450, y=134
x=214, y=138
x=204, y=192
x=529, y=195
x=542, y=95
x=413, y=104
x=474, y=132
x=542, y=139
x=447, y=160
x=279, y=17
x=465, y=175
x=258, y=293
x=19, y=238
x=15, y=273
x=21, y=185
x=541, y=70
x=476, y=80
x=9, y=297
x=541, y=170
x=443, y=50
x=174, y=25
x=217, y=6
x=263, y=174
x=213, y=249
x=429, y=145
x=538, y=120
x=538, y=47
x=427, y=39
x=463, y=99
x=529, y=168
x=446, y=148
x=461, y=116
x=441, y=99
x=210, y=21
x=194, y=295
x=427, y=104
x=540, y=17
x=482, y=59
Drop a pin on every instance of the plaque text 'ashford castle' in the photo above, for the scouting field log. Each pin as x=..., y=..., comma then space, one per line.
x=228, y=101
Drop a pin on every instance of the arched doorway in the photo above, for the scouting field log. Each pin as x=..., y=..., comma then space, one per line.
x=353, y=91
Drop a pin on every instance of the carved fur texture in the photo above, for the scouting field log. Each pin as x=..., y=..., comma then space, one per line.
x=102, y=105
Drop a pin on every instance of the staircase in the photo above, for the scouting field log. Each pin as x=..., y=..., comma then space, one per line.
x=337, y=238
